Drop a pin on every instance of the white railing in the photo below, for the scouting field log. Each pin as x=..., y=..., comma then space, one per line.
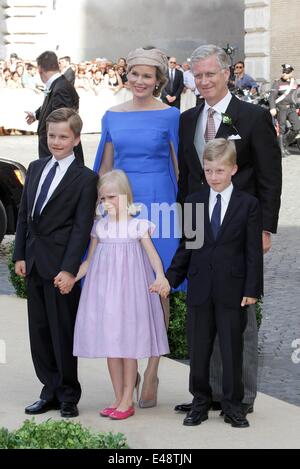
x=14, y=103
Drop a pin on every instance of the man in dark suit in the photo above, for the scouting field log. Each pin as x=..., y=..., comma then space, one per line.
x=172, y=92
x=224, y=275
x=259, y=173
x=66, y=69
x=54, y=224
x=58, y=93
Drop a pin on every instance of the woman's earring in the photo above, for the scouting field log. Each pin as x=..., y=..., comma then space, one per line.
x=156, y=87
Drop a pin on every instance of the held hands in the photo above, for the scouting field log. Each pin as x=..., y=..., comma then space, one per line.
x=160, y=286
x=247, y=300
x=65, y=282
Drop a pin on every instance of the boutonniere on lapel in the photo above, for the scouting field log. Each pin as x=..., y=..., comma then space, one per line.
x=227, y=120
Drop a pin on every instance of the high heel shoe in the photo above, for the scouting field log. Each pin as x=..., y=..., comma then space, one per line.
x=137, y=385
x=143, y=404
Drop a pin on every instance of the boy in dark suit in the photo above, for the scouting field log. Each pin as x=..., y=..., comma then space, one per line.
x=224, y=276
x=54, y=224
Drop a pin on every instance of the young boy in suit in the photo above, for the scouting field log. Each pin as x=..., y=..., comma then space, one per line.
x=54, y=224
x=224, y=276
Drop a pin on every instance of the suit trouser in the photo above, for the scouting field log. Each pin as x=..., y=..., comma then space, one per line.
x=203, y=322
x=288, y=113
x=250, y=361
x=51, y=319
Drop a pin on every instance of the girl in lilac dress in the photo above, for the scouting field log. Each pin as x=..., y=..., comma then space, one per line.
x=118, y=316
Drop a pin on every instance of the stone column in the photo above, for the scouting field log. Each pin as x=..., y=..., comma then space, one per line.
x=257, y=39
x=25, y=26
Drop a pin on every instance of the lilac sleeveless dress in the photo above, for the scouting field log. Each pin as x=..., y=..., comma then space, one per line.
x=117, y=315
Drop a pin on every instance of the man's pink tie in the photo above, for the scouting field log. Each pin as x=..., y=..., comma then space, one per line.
x=210, y=131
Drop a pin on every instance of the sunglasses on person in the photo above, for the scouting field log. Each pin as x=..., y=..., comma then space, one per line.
x=172, y=62
x=239, y=66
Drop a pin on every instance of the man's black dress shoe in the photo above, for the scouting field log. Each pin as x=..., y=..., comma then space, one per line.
x=237, y=420
x=41, y=406
x=68, y=409
x=246, y=409
x=187, y=407
x=195, y=418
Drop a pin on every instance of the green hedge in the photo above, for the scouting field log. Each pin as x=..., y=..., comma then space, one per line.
x=62, y=434
x=177, y=326
x=17, y=282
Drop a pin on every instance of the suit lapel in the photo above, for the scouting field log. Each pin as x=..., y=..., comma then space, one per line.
x=191, y=134
x=47, y=99
x=72, y=173
x=232, y=110
x=233, y=205
x=35, y=181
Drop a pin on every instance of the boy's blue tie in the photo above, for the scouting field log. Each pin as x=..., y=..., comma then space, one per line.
x=44, y=191
x=216, y=217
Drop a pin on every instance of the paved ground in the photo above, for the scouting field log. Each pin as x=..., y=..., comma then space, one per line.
x=274, y=424
x=279, y=376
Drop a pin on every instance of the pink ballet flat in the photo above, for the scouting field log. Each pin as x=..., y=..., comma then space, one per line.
x=121, y=415
x=107, y=411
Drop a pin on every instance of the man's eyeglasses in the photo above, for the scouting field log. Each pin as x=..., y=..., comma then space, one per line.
x=172, y=62
x=239, y=66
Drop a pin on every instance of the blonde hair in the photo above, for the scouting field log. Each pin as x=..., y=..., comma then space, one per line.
x=220, y=149
x=120, y=181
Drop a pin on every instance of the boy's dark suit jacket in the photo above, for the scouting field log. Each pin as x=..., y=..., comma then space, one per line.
x=258, y=156
x=58, y=240
x=229, y=267
x=62, y=94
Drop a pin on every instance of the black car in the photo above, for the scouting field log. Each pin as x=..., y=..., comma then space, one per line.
x=12, y=178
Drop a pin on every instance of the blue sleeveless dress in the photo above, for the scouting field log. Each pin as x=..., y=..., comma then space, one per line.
x=141, y=141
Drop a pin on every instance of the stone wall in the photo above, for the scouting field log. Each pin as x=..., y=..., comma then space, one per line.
x=25, y=26
x=86, y=29
x=285, y=36
x=272, y=37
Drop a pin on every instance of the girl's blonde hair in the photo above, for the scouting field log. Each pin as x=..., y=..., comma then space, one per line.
x=120, y=181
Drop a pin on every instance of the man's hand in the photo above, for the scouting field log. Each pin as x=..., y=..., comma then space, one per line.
x=171, y=99
x=273, y=112
x=247, y=300
x=65, y=282
x=267, y=241
x=20, y=268
x=30, y=117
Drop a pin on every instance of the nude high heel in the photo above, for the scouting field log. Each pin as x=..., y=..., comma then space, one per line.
x=151, y=402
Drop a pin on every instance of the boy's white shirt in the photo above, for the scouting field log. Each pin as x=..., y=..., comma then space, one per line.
x=225, y=199
x=63, y=166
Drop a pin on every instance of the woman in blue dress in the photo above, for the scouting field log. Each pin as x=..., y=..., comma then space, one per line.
x=140, y=137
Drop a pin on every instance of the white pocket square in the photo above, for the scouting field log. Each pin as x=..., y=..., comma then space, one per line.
x=234, y=137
